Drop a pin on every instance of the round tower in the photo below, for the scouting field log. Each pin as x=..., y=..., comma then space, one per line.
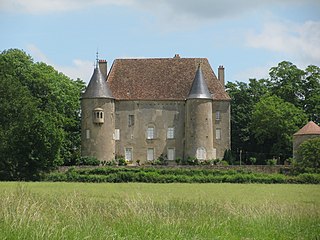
x=199, y=125
x=310, y=130
x=97, y=119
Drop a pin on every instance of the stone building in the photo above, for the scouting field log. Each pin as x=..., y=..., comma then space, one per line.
x=143, y=108
x=310, y=130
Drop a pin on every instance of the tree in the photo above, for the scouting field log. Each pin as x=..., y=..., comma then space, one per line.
x=311, y=104
x=309, y=153
x=243, y=98
x=273, y=123
x=39, y=116
x=299, y=87
x=287, y=81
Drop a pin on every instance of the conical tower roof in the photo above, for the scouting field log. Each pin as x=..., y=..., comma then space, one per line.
x=199, y=88
x=309, y=129
x=98, y=86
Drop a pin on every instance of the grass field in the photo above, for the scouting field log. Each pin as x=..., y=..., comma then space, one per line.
x=158, y=211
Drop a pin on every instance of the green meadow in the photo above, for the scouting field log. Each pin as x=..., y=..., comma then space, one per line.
x=43, y=210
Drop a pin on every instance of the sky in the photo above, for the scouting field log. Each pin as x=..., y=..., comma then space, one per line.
x=247, y=37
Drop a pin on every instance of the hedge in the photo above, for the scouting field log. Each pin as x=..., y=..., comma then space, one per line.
x=154, y=175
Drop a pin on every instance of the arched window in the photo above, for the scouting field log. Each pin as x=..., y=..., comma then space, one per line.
x=150, y=133
x=201, y=153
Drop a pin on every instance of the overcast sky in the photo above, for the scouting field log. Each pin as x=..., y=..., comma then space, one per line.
x=246, y=36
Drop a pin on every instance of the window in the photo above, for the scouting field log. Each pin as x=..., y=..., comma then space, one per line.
x=218, y=133
x=150, y=154
x=170, y=133
x=128, y=154
x=150, y=133
x=218, y=115
x=214, y=153
x=130, y=120
x=171, y=153
x=98, y=115
x=116, y=134
x=87, y=134
x=201, y=153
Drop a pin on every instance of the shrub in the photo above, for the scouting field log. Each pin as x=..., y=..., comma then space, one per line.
x=192, y=161
x=121, y=161
x=88, y=161
x=178, y=161
x=223, y=163
x=272, y=162
x=170, y=175
x=308, y=154
x=252, y=160
x=228, y=156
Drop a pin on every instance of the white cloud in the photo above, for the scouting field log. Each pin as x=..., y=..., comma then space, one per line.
x=47, y=6
x=297, y=41
x=172, y=9
x=78, y=69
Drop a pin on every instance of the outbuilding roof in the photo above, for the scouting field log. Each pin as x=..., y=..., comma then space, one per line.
x=161, y=79
x=310, y=128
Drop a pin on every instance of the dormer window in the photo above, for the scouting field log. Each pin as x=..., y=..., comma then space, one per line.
x=98, y=115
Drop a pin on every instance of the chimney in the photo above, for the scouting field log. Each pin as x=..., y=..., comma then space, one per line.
x=176, y=56
x=221, y=74
x=103, y=68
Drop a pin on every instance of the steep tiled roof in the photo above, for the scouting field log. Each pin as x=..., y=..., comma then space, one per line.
x=160, y=78
x=97, y=87
x=309, y=129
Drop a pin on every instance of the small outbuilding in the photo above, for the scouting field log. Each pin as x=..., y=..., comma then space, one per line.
x=310, y=130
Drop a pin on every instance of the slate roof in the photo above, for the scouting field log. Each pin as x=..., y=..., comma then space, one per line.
x=199, y=88
x=160, y=78
x=97, y=87
x=310, y=128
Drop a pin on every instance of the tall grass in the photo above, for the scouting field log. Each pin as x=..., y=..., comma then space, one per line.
x=158, y=211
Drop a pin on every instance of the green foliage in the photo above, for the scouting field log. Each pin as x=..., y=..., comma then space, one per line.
x=89, y=161
x=39, y=117
x=252, y=160
x=300, y=88
x=121, y=160
x=162, y=160
x=274, y=121
x=308, y=155
x=243, y=98
x=192, y=161
x=228, y=156
x=171, y=175
x=272, y=162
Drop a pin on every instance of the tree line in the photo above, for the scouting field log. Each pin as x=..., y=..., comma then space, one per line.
x=265, y=113
x=40, y=115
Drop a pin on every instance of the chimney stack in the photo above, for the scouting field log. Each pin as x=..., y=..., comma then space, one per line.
x=103, y=68
x=221, y=75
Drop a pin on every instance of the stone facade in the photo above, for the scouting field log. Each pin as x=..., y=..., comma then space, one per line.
x=173, y=107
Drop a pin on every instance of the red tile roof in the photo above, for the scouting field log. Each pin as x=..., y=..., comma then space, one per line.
x=309, y=129
x=160, y=78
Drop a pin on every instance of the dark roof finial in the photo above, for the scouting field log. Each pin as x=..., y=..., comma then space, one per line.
x=97, y=59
